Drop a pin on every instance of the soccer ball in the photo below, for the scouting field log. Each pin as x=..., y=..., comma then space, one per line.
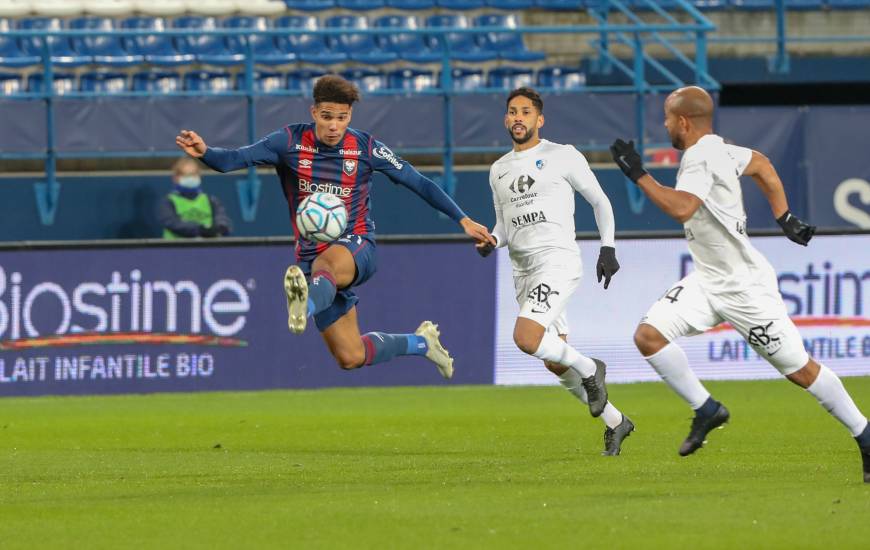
x=321, y=217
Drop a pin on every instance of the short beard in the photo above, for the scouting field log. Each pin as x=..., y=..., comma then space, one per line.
x=523, y=139
x=677, y=142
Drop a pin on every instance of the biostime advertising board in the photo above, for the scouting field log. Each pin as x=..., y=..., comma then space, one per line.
x=826, y=288
x=214, y=318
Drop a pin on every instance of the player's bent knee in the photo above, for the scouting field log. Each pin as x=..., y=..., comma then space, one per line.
x=648, y=340
x=528, y=343
x=350, y=359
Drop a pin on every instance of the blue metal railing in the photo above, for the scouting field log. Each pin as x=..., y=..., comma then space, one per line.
x=635, y=33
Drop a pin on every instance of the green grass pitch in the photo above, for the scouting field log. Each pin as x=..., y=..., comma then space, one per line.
x=458, y=467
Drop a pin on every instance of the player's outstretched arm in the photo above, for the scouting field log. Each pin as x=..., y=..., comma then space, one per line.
x=763, y=172
x=679, y=205
x=263, y=152
x=191, y=143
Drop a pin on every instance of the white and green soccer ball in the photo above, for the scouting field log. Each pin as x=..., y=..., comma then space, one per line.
x=321, y=217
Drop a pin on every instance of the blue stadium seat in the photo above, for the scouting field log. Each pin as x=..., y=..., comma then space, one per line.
x=63, y=83
x=771, y=4
x=410, y=47
x=509, y=45
x=508, y=78
x=310, y=5
x=411, y=80
x=463, y=46
x=360, y=5
x=263, y=81
x=103, y=83
x=265, y=50
x=366, y=80
x=510, y=4
x=303, y=81
x=466, y=79
x=156, y=82
x=849, y=4
x=206, y=81
x=460, y=4
x=310, y=48
x=62, y=53
x=563, y=5
x=105, y=50
x=10, y=54
x=10, y=84
x=208, y=49
x=157, y=49
x=561, y=78
x=361, y=48
x=411, y=4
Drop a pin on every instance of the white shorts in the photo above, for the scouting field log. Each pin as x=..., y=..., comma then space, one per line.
x=757, y=313
x=544, y=294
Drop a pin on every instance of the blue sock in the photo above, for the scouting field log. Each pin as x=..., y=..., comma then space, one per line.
x=709, y=407
x=321, y=292
x=382, y=347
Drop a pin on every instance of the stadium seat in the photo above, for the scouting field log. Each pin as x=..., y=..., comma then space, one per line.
x=10, y=84
x=63, y=83
x=211, y=7
x=466, y=79
x=261, y=7
x=164, y=8
x=463, y=46
x=56, y=8
x=310, y=48
x=771, y=4
x=156, y=82
x=360, y=5
x=411, y=80
x=509, y=45
x=561, y=78
x=510, y=4
x=157, y=49
x=410, y=47
x=849, y=4
x=62, y=53
x=411, y=4
x=105, y=50
x=303, y=81
x=206, y=81
x=265, y=50
x=208, y=49
x=361, y=48
x=366, y=80
x=103, y=83
x=109, y=8
x=563, y=5
x=10, y=54
x=310, y=5
x=460, y=4
x=508, y=78
x=14, y=8
x=263, y=82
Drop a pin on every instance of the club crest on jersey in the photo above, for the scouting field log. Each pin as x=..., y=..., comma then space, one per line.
x=540, y=163
x=349, y=167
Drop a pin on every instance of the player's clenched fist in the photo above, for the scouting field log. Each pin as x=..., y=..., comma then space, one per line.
x=190, y=142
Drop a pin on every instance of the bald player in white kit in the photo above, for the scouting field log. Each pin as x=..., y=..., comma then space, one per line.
x=732, y=281
x=533, y=193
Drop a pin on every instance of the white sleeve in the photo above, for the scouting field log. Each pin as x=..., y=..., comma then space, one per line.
x=499, y=231
x=583, y=180
x=742, y=155
x=694, y=177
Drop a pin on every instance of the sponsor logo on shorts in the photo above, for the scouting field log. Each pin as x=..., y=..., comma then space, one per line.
x=384, y=152
x=760, y=337
x=530, y=218
x=539, y=297
x=331, y=188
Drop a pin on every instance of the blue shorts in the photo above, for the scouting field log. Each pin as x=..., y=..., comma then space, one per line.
x=363, y=248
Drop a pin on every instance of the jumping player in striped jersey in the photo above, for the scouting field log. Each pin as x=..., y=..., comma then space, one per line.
x=329, y=156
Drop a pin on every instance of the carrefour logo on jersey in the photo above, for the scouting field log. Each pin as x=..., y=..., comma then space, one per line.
x=383, y=152
x=123, y=309
x=331, y=188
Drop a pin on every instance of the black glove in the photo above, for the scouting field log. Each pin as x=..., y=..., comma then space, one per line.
x=796, y=230
x=628, y=159
x=209, y=232
x=486, y=249
x=607, y=265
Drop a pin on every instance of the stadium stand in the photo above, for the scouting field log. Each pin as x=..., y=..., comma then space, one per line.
x=155, y=48
x=10, y=53
x=361, y=48
x=265, y=48
x=156, y=82
x=409, y=47
x=103, y=50
x=463, y=46
x=411, y=80
x=310, y=48
x=208, y=49
x=62, y=53
x=509, y=45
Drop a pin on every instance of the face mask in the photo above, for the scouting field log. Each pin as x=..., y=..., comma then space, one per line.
x=189, y=182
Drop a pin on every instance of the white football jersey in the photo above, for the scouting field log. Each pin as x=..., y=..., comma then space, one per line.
x=533, y=194
x=716, y=232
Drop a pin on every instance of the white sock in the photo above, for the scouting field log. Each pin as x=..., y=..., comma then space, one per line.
x=571, y=380
x=829, y=391
x=555, y=350
x=673, y=366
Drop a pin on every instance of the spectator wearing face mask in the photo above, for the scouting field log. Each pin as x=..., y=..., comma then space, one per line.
x=187, y=211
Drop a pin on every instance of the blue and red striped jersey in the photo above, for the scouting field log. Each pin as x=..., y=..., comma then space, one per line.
x=305, y=166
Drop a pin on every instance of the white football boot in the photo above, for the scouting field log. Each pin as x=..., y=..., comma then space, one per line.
x=436, y=353
x=296, y=290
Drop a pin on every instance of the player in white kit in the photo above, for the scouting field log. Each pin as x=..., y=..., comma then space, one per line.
x=732, y=281
x=533, y=192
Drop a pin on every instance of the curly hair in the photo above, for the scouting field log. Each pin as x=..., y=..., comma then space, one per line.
x=530, y=93
x=332, y=88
